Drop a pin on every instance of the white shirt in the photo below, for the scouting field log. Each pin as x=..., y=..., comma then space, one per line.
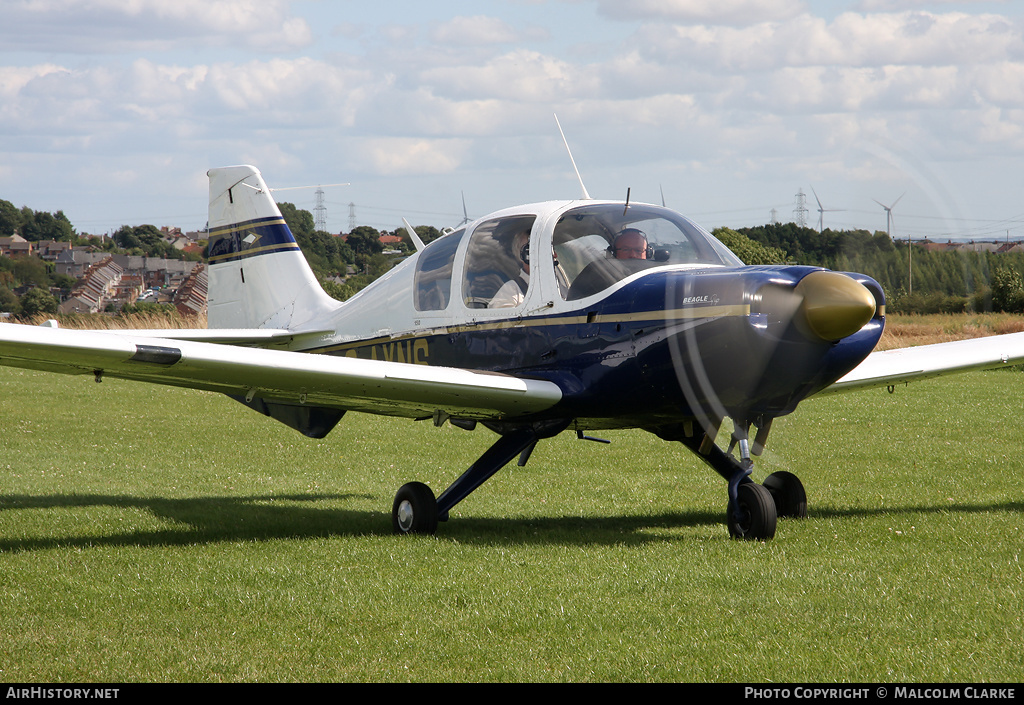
x=510, y=293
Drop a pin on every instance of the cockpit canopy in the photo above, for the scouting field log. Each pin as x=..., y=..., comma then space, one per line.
x=591, y=248
x=597, y=246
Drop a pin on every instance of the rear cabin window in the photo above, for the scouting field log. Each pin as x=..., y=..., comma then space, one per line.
x=433, y=278
x=495, y=275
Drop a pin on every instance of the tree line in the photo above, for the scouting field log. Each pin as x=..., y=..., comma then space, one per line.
x=915, y=280
x=331, y=257
x=923, y=281
x=30, y=285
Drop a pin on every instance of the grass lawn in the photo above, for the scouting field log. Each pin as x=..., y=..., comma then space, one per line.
x=156, y=534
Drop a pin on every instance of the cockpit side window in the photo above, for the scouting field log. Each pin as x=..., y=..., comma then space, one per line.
x=433, y=278
x=497, y=267
x=597, y=246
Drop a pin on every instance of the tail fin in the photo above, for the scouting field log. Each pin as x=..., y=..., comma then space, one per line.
x=258, y=276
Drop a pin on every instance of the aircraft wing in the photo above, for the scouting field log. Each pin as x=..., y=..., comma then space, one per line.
x=249, y=337
x=391, y=388
x=890, y=367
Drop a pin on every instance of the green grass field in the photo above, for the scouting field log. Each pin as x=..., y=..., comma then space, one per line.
x=151, y=534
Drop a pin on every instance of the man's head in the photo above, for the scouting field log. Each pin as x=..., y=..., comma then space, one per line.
x=630, y=244
x=521, y=248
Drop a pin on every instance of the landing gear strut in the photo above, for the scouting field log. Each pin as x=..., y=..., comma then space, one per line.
x=415, y=511
x=753, y=509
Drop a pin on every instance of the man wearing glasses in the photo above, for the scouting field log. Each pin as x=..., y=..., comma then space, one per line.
x=631, y=244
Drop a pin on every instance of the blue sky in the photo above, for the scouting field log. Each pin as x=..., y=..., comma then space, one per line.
x=112, y=110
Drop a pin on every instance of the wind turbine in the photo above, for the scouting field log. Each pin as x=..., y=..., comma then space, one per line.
x=821, y=211
x=910, y=243
x=888, y=212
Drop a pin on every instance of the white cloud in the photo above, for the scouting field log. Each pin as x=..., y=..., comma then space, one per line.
x=105, y=26
x=1000, y=83
x=13, y=79
x=1000, y=127
x=850, y=40
x=728, y=12
x=702, y=90
x=521, y=75
x=147, y=107
x=480, y=30
x=421, y=112
x=407, y=156
x=897, y=5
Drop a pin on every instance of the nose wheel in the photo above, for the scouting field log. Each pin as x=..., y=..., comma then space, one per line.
x=752, y=515
x=788, y=493
x=754, y=509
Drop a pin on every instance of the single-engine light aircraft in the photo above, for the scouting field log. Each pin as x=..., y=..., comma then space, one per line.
x=576, y=315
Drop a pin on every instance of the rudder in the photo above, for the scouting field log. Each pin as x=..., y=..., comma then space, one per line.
x=258, y=276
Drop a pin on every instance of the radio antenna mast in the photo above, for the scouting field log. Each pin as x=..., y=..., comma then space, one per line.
x=586, y=196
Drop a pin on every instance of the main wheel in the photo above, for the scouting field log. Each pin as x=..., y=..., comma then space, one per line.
x=788, y=493
x=757, y=514
x=414, y=510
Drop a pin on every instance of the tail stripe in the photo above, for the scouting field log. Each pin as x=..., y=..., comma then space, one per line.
x=239, y=241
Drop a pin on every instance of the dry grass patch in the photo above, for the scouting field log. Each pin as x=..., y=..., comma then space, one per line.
x=133, y=321
x=903, y=331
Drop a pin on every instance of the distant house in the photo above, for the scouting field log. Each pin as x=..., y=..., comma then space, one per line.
x=95, y=289
x=938, y=246
x=970, y=246
x=190, y=299
x=155, y=271
x=49, y=249
x=79, y=303
x=128, y=289
x=15, y=246
x=77, y=260
x=980, y=246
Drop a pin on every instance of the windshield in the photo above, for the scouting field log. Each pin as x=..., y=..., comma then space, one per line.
x=599, y=245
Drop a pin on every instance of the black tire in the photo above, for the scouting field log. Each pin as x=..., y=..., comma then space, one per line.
x=757, y=510
x=414, y=510
x=788, y=493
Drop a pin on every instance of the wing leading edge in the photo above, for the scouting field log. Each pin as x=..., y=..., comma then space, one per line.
x=890, y=367
x=391, y=388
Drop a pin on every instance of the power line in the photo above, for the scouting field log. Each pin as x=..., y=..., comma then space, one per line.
x=801, y=209
x=320, y=211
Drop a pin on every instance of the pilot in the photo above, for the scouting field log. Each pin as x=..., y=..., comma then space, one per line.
x=513, y=291
x=630, y=244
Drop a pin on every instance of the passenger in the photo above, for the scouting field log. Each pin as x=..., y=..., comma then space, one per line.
x=630, y=244
x=513, y=291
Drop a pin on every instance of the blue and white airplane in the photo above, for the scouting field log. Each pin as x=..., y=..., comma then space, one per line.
x=560, y=316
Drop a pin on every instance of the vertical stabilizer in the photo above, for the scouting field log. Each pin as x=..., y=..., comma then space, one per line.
x=258, y=276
